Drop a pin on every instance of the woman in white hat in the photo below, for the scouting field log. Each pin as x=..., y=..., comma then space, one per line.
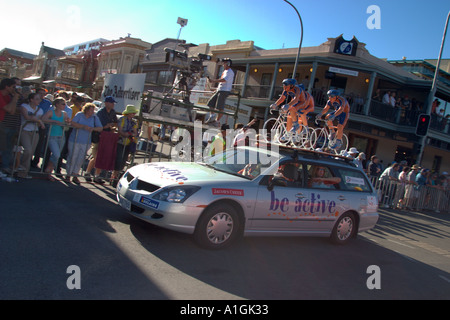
x=353, y=152
x=127, y=129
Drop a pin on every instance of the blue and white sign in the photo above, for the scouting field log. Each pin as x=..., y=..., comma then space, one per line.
x=149, y=202
x=125, y=89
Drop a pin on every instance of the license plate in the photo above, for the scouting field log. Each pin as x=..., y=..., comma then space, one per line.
x=125, y=203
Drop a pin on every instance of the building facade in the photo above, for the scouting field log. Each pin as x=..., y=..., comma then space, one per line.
x=45, y=66
x=124, y=55
x=345, y=65
x=14, y=63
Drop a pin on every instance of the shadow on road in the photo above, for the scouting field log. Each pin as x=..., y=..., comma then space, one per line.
x=46, y=227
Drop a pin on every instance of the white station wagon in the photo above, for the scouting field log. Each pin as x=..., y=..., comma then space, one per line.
x=242, y=192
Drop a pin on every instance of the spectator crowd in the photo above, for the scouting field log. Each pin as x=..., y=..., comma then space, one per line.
x=57, y=130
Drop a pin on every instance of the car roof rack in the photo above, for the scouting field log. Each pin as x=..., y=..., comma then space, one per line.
x=310, y=153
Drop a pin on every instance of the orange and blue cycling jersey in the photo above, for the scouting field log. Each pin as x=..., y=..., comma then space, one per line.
x=340, y=103
x=308, y=105
x=297, y=92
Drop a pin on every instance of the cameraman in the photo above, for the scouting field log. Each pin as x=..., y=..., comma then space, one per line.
x=217, y=101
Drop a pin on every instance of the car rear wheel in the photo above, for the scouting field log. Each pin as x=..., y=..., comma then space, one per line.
x=218, y=227
x=344, y=229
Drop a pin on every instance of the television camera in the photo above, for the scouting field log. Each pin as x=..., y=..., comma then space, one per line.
x=187, y=68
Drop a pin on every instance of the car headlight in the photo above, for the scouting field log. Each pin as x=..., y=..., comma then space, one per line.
x=177, y=194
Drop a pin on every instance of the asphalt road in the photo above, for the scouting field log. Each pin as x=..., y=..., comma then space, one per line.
x=47, y=227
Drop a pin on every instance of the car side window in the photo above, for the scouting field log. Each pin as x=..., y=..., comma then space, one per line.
x=321, y=177
x=353, y=180
x=289, y=174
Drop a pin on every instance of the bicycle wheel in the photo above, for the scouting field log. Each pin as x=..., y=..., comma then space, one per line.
x=281, y=135
x=344, y=143
x=269, y=128
x=319, y=139
x=342, y=149
x=301, y=138
x=306, y=139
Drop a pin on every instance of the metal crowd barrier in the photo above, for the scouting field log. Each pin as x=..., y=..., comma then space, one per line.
x=140, y=155
x=409, y=196
x=36, y=136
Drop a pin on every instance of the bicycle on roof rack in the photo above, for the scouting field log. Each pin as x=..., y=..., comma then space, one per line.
x=322, y=140
x=275, y=132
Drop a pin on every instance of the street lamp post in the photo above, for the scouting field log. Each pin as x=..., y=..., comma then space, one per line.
x=433, y=88
x=301, y=38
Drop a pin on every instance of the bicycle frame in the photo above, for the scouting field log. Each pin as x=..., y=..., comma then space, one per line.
x=278, y=129
x=320, y=138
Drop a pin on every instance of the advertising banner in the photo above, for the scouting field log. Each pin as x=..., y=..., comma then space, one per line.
x=125, y=89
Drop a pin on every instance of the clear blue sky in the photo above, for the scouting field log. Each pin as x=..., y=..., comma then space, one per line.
x=411, y=29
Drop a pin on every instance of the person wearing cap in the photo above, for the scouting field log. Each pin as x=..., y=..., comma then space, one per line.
x=217, y=101
x=127, y=129
x=410, y=193
x=108, y=119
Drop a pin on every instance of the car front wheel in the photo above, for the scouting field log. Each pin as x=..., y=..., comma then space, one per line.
x=344, y=229
x=218, y=227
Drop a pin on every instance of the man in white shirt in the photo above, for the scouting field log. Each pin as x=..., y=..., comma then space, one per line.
x=217, y=101
x=392, y=99
x=387, y=98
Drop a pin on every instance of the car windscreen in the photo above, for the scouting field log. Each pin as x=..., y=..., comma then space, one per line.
x=245, y=162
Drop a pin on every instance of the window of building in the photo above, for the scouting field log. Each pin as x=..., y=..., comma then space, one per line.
x=165, y=77
x=151, y=76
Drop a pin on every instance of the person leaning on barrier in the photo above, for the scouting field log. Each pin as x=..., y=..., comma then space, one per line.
x=83, y=123
x=108, y=119
x=391, y=173
x=45, y=105
x=73, y=106
x=411, y=193
x=127, y=128
x=56, y=117
x=8, y=101
x=401, y=191
x=373, y=169
x=31, y=123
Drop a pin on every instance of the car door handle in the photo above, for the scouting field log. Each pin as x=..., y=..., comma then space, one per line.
x=342, y=198
x=300, y=195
